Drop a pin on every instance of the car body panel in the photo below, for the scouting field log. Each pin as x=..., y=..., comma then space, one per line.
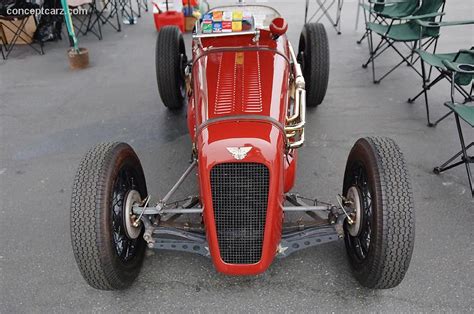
x=240, y=94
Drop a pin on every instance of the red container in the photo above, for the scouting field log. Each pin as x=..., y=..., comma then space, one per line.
x=192, y=3
x=169, y=18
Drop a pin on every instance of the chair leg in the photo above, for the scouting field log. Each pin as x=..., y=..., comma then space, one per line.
x=16, y=34
x=91, y=25
x=465, y=158
x=119, y=23
x=372, y=52
x=434, y=51
x=366, y=33
x=96, y=14
x=41, y=43
x=428, y=87
x=2, y=44
x=425, y=92
x=113, y=13
x=442, y=118
x=323, y=11
x=139, y=9
x=19, y=33
x=470, y=97
x=362, y=38
x=413, y=52
x=405, y=59
x=358, y=14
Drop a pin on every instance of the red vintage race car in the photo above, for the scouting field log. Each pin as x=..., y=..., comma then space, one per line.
x=246, y=93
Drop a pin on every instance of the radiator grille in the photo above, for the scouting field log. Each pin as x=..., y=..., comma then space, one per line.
x=240, y=196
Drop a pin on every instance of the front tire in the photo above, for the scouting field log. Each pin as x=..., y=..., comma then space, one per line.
x=313, y=55
x=170, y=62
x=380, y=249
x=107, y=258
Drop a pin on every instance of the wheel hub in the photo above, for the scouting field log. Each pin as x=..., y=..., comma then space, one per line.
x=353, y=195
x=132, y=198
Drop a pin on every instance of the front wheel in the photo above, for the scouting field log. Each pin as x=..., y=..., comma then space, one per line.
x=108, y=249
x=379, y=240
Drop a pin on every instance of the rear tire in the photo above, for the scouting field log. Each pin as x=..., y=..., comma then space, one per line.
x=313, y=55
x=107, y=258
x=170, y=61
x=380, y=253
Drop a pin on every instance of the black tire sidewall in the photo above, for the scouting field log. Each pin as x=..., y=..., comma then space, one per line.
x=169, y=76
x=122, y=156
x=363, y=154
x=315, y=44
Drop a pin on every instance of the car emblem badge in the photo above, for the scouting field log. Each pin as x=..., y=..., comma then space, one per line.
x=239, y=153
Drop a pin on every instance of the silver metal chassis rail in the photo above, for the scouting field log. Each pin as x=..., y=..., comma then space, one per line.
x=299, y=240
x=184, y=241
x=162, y=234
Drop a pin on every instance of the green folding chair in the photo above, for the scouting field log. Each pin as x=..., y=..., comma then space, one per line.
x=407, y=31
x=383, y=10
x=437, y=61
x=464, y=73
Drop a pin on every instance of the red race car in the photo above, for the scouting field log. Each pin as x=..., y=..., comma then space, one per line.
x=246, y=91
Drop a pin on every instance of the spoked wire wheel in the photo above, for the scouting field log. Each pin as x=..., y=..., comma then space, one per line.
x=125, y=245
x=379, y=241
x=357, y=235
x=109, y=250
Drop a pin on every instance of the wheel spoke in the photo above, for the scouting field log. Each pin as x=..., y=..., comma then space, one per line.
x=360, y=244
x=124, y=246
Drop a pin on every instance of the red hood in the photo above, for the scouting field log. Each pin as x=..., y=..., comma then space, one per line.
x=241, y=82
x=266, y=140
x=240, y=100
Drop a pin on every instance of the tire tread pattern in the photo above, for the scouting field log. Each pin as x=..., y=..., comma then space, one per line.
x=168, y=66
x=88, y=194
x=317, y=80
x=398, y=216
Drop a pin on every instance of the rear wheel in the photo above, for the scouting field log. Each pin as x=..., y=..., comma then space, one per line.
x=313, y=55
x=379, y=241
x=108, y=249
x=170, y=61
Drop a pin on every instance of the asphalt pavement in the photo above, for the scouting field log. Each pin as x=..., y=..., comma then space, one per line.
x=50, y=116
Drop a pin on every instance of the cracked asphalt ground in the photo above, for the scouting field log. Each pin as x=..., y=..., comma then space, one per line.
x=50, y=117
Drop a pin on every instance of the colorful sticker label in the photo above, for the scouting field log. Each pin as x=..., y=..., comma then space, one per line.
x=237, y=15
x=226, y=26
x=216, y=27
x=237, y=26
x=206, y=27
x=227, y=16
x=217, y=16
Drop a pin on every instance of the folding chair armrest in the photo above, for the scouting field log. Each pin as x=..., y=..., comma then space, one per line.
x=456, y=23
x=368, y=6
x=423, y=16
x=469, y=51
x=387, y=1
x=458, y=67
x=432, y=24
